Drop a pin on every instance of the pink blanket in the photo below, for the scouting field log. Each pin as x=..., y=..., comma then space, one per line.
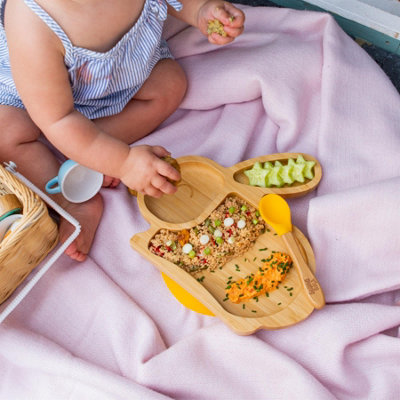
x=110, y=329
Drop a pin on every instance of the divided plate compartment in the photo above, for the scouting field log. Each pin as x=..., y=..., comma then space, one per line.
x=204, y=186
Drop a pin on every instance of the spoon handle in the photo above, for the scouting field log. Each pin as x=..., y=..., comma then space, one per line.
x=308, y=280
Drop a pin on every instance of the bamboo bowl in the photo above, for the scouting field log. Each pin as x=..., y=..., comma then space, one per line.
x=204, y=186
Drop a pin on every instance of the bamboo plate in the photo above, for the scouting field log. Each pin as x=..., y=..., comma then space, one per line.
x=204, y=186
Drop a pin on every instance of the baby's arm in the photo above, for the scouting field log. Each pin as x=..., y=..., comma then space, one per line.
x=42, y=81
x=199, y=13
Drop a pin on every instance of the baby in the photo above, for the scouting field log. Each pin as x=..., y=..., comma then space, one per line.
x=94, y=76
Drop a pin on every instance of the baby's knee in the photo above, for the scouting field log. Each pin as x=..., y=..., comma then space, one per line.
x=180, y=83
x=165, y=87
x=16, y=128
x=175, y=83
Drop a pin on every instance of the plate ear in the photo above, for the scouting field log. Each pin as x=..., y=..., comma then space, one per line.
x=240, y=173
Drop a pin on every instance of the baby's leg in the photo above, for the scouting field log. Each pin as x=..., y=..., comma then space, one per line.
x=19, y=143
x=157, y=99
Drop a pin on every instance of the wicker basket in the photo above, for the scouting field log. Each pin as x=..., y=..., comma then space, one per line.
x=34, y=237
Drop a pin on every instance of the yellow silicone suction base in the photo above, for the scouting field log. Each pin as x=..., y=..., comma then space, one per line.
x=185, y=297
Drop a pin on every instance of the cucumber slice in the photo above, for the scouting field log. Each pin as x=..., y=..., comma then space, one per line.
x=274, y=177
x=308, y=170
x=308, y=166
x=286, y=174
x=268, y=165
x=297, y=172
x=300, y=159
x=257, y=175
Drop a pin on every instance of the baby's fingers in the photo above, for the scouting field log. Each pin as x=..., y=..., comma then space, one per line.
x=215, y=38
x=160, y=151
x=166, y=169
x=233, y=32
x=153, y=192
x=230, y=16
x=160, y=183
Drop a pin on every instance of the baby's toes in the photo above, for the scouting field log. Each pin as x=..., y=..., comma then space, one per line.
x=73, y=252
x=110, y=182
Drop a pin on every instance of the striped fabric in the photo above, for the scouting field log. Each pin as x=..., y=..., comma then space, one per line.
x=102, y=83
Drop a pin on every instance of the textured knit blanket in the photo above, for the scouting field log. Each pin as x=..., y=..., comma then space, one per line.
x=109, y=328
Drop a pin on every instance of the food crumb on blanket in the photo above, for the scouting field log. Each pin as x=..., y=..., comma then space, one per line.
x=229, y=231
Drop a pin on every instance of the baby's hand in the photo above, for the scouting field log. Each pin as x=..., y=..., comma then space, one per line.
x=147, y=173
x=215, y=12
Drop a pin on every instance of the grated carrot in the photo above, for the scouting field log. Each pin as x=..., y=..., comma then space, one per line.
x=268, y=277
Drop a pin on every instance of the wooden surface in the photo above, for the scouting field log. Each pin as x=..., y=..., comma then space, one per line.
x=205, y=184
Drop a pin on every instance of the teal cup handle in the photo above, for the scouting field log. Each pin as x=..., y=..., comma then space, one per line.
x=76, y=182
x=52, y=186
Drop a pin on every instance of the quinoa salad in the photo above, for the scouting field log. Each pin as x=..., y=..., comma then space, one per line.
x=229, y=231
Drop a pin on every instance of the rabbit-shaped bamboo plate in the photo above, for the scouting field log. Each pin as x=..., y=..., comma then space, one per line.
x=204, y=186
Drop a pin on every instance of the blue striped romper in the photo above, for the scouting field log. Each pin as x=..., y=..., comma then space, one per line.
x=102, y=83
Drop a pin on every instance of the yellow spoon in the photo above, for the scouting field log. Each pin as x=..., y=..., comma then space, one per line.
x=276, y=212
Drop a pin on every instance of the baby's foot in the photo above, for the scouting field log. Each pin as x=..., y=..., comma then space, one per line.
x=88, y=214
x=110, y=182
